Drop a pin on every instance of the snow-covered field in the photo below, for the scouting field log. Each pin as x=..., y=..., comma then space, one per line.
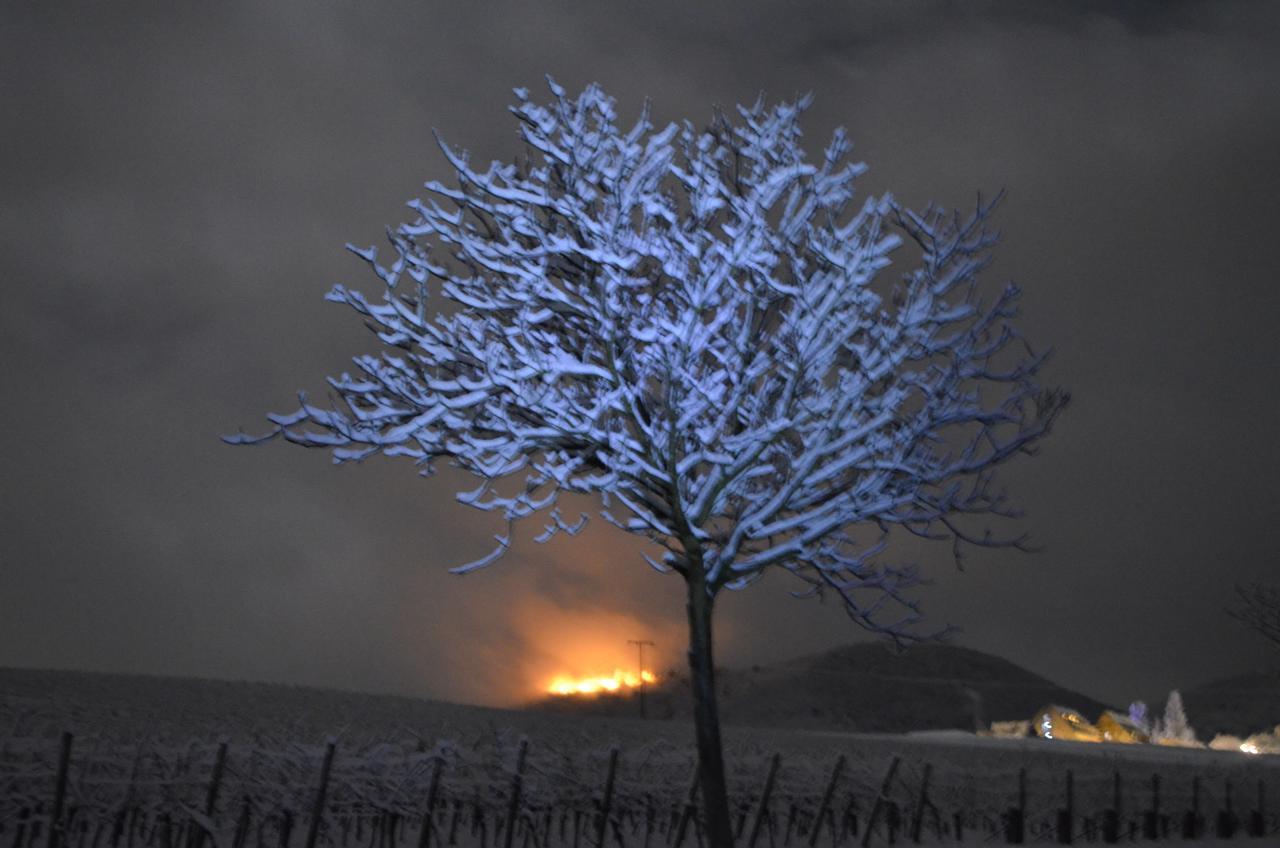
x=150, y=746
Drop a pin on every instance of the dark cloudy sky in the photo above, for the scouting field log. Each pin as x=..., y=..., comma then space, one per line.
x=177, y=183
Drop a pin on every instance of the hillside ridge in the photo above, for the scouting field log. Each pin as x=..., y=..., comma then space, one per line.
x=859, y=687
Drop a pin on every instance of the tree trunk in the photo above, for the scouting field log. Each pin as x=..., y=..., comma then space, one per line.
x=706, y=713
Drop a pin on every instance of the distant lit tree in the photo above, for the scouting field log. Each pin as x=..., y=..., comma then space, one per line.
x=1258, y=606
x=1139, y=716
x=1174, y=725
x=690, y=324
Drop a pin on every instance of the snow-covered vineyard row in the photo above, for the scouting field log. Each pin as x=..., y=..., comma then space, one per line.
x=265, y=793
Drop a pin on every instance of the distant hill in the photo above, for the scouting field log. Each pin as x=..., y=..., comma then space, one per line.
x=1239, y=705
x=865, y=687
x=35, y=702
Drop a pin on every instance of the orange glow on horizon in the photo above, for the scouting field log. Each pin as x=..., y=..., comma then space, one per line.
x=619, y=681
x=563, y=651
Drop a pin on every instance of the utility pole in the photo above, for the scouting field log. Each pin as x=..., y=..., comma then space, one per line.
x=640, y=643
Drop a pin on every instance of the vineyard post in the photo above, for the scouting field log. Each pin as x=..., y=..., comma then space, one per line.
x=128, y=809
x=286, y=827
x=1015, y=818
x=826, y=802
x=243, y=823
x=849, y=818
x=117, y=828
x=1151, y=819
x=1258, y=816
x=892, y=820
x=1191, y=821
x=453, y=822
x=513, y=806
x=690, y=804
x=917, y=819
x=317, y=809
x=1066, y=816
x=1111, y=817
x=879, y=802
x=60, y=790
x=763, y=809
x=23, y=815
x=424, y=835
x=196, y=836
x=1227, y=817
x=607, y=801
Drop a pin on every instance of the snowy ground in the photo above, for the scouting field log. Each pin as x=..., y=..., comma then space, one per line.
x=159, y=749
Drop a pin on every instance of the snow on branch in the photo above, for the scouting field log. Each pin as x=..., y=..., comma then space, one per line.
x=694, y=324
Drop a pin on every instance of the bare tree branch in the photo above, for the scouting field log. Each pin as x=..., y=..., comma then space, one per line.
x=1258, y=607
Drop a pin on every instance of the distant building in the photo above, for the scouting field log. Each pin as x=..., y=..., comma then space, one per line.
x=1118, y=727
x=1055, y=722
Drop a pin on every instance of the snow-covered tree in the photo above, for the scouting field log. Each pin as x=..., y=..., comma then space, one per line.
x=1175, y=726
x=693, y=326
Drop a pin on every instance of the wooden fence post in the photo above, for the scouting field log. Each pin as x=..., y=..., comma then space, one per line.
x=879, y=802
x=243, y=823
x=1015, y=818
x=1191, y=819
x=117, y=827
x=286, y=827
x=648, y=819
x=317, y=808
x=513, y=806
x=690, y=804
x=424, y=835
x=1151, y=818
x=1066, y=816
x=453, y=822
x=1258, y=815
x=196, y=835
x=849, y=819
x=59, y=791
x=606, y=803
x=1227, y=817
x=21, y=830
x=478, y=824
x=917, y=818
x=826, y=802
x=892, y=820
x=1111, y=816
x=763, y=809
